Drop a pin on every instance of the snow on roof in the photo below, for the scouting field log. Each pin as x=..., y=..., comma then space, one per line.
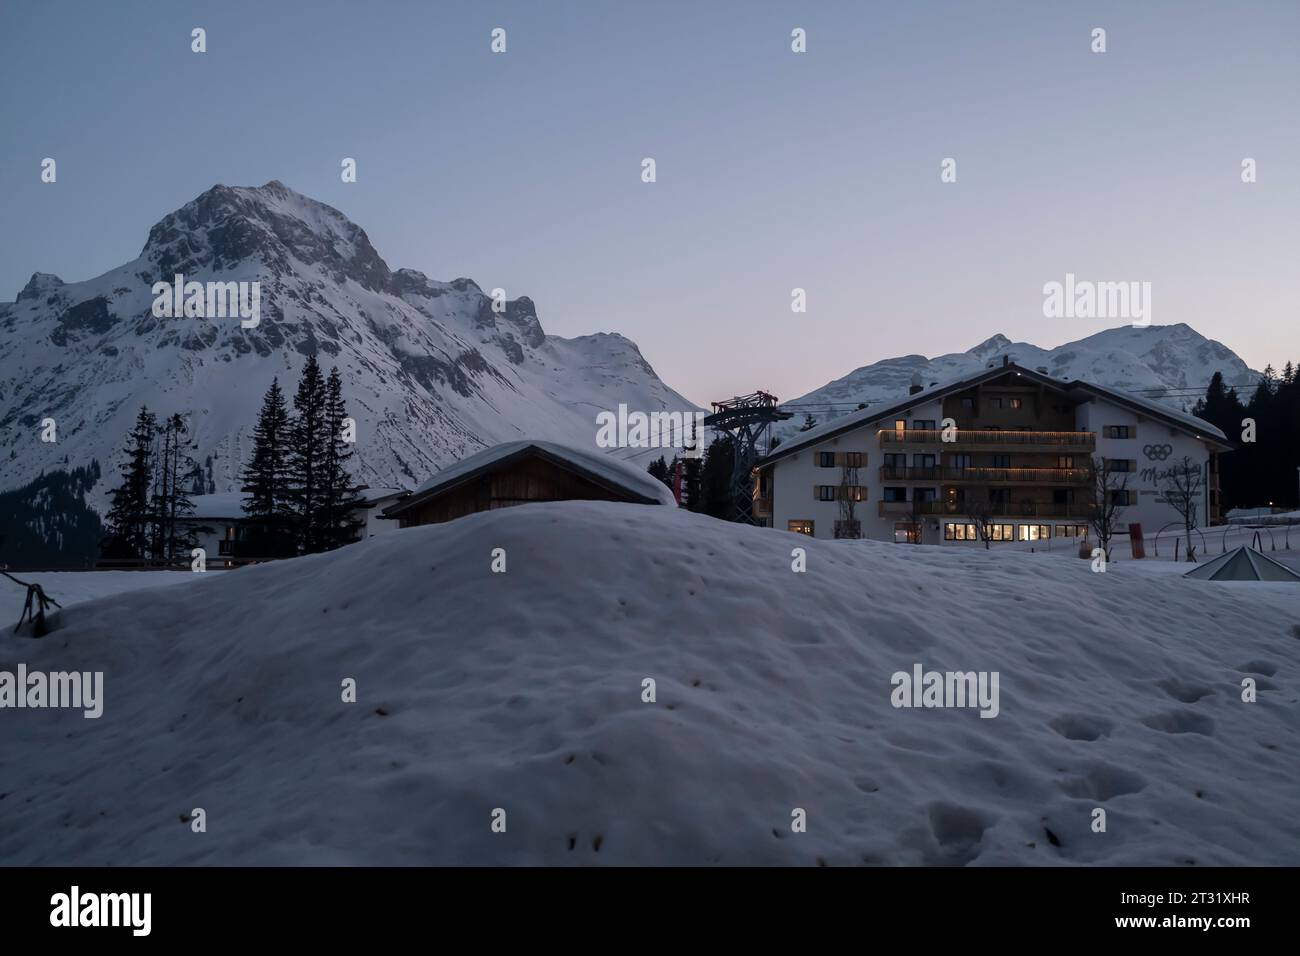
x=1198, y=426
x=1243, y=564
x=229, y=504
x=864, y=416
x=602, y=466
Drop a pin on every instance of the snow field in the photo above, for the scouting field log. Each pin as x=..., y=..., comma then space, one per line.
x=523, y=691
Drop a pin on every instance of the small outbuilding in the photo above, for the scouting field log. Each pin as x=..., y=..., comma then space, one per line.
x=521, y=472
x=1243, y=564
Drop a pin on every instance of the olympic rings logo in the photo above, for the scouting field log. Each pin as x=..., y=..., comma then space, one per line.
x=1157, y=452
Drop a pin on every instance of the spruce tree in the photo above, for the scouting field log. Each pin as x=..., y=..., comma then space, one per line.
x=266, y=481
x=129, y=514
x=308, y=441
x=659, y=469
x=179, y=537
x=339, y=496
x=159, y=493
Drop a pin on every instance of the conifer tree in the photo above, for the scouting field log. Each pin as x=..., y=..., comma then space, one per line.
x=339, y=496
x=308, y=441
x=129, y=514
x=178, y=534
x=266, y=481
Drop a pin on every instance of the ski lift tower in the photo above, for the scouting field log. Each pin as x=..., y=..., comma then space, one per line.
x=746, y=420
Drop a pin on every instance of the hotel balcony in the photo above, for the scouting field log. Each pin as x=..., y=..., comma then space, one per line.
x=991, y=439
x=1008, y=509
x=986, y=476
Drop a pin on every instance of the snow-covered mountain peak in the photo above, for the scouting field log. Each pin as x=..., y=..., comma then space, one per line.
x=1171, y=363
x=271, y=226
x=990, y=346
x=433, y=370
x=39, y=286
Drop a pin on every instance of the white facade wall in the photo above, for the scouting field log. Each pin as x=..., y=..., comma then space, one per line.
x=1156, y=448
x=795, y=477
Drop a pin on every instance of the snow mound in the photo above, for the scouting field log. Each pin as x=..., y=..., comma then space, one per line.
x=523, y=691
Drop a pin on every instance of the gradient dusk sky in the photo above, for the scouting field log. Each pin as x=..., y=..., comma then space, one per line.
x=775, y=170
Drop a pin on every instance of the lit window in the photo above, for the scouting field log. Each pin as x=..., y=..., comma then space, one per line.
x=800, y=527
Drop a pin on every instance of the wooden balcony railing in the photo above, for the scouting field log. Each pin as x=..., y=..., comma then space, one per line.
x=981, y=475
x=988, y=437
x=1010, y=509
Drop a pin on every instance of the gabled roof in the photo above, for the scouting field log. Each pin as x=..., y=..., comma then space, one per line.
x=1073, y=389
x=603, y=470
x=1243, y=564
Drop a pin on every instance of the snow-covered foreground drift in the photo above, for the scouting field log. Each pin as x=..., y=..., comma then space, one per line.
x=74, y=587
x=523, y=691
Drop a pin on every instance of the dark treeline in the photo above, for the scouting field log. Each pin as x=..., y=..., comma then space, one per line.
x=149, y=511
x=299, y=496
x=46, y=523
x=1263, y=471
x=705, y=482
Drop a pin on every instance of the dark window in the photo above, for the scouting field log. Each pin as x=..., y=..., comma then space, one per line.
x=826, y=459
x=895, y=494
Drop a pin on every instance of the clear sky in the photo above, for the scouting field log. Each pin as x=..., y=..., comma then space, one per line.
x=775, y=170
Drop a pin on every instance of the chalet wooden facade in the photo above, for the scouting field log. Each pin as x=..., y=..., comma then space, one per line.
x=522, y=472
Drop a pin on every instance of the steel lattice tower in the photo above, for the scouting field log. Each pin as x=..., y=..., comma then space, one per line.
x=746, y=420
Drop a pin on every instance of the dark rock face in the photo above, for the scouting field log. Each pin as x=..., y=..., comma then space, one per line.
x=226, y=226
x=40, y=285
x=85, y=319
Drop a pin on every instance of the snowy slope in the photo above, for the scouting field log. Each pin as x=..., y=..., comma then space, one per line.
x=1153, y=362
x=522, y=691
x=431, y=372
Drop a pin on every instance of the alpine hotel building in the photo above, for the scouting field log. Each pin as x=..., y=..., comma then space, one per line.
x=1021, y=450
